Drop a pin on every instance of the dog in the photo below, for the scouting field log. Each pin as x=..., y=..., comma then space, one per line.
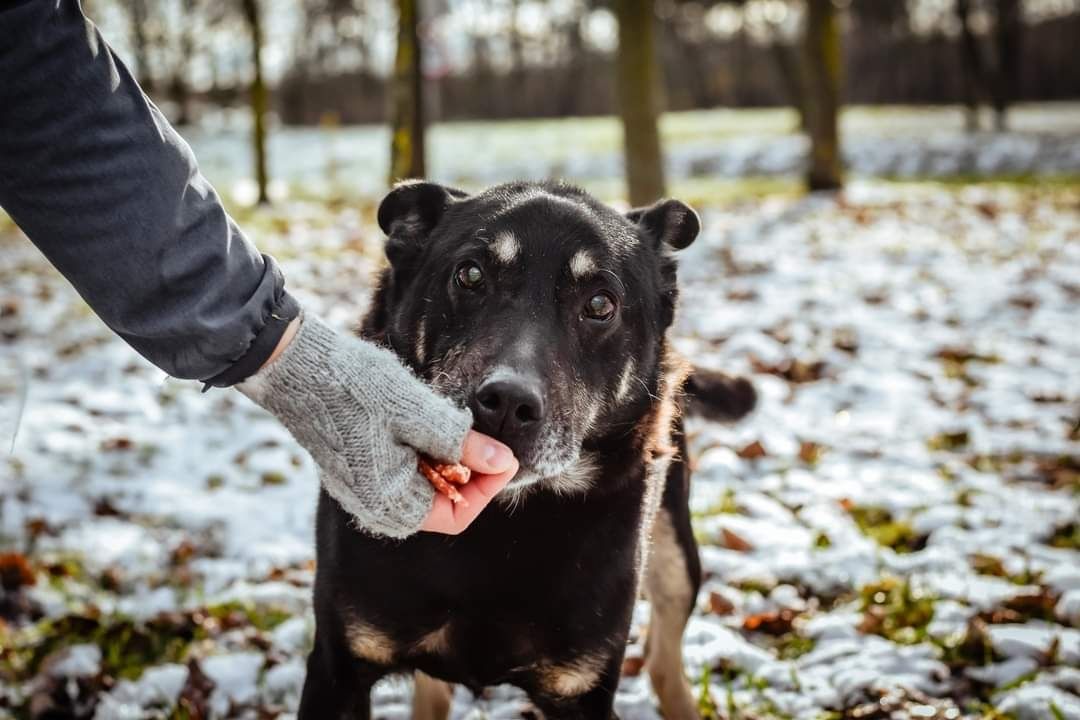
x=546, y=313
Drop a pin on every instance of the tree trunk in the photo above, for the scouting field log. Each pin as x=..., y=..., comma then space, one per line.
x=140, y=45
x=637, y=87
x=258, y=98
x=407, y=102
x=821, y=62
x=1008, y=29
x=181, y=89
x=973, y=72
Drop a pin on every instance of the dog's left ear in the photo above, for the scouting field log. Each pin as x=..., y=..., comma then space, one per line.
x=410, y=212
x=668, y=222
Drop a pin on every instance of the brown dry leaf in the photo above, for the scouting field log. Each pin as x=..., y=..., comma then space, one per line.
x=733, y=542
x=847, y=504
x=117, y=443
x=194, y=699
x=720, y=605
x=182, y=553
x=104, y=507
x=36, y=527
x=771, y=623
x=632, y=665
x=15, y=571
x=794, y=371
x=753, y=451
x=810, y=452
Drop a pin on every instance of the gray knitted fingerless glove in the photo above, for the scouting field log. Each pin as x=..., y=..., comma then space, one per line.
x=363, y=416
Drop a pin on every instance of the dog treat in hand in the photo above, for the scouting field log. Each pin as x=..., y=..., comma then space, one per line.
x=444, y=477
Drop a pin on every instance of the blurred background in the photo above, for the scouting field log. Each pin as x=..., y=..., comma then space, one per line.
x=890, y=201
x=336, y=96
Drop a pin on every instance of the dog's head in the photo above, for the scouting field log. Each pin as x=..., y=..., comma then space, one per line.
x=535, y=305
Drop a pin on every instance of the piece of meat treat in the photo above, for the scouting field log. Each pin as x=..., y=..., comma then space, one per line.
x=444, y=476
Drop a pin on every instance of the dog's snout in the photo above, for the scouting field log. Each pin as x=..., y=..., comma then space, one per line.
x=509, y=408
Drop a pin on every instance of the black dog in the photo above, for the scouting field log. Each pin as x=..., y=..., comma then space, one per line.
x=546, y=313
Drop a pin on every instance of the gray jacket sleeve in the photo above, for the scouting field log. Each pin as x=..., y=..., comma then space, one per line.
x=99, y=181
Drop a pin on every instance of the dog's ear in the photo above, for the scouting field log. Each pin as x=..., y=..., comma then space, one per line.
x=671, y=225
x=410, y=212
x=667, y=222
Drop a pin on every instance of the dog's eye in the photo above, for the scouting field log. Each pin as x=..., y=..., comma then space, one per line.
x=469, y=276
x=600, y=306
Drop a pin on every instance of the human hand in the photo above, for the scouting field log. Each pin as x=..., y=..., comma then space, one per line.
x=364, y=416
x=492, y=465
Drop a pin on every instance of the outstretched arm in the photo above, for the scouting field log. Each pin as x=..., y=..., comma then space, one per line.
x=110, y=193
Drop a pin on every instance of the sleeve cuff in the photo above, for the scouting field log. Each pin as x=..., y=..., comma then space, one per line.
x=286, y=310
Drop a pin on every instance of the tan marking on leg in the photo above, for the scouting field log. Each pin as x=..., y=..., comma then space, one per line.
x=505, y=247
x=573, y=678
x=668, y=587
x=369, y=643
x=431, y=698
x=582, y=265
x=435, y=642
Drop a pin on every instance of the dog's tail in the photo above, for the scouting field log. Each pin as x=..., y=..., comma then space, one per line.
x=716, y=396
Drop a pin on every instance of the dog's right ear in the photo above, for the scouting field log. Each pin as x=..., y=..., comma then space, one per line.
x=410, y=212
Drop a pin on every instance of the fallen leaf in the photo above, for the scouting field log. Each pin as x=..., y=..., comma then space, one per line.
x=720, y=605
x=771, y=623
x=632, y=665
x=753, y=451
x=15, y=571
x=733, y=542
x=810, y=452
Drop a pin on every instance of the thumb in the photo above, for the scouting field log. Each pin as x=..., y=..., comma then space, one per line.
x=486, y=455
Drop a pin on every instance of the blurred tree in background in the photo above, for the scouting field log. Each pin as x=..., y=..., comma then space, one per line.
x=822, y=59
x=350, y=61
x=407, y=93
x=637, y=90
x=253, y=17
x=992, y=68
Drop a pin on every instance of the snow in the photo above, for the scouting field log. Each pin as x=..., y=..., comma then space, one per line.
x=157, y=687
x=235, y=677
x=77, y=661
x=211, y=503
x=902, y=143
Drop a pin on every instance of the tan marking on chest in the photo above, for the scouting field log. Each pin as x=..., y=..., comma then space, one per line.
x=369, y=643
x=572, y=678
x=436, y=642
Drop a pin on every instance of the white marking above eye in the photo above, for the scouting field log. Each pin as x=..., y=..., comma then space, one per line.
x=505, y=247
x=582, y=265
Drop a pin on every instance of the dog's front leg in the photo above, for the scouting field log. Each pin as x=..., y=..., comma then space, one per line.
x=561, y=700
x=338, y=685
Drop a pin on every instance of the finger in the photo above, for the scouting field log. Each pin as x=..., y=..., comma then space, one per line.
x=450, y=518
x=441, y=517
x=486, y=455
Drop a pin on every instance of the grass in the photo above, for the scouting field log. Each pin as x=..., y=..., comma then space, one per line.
x=895, y=610
x=128, y=646
x=1066, y=537
x=880, y=525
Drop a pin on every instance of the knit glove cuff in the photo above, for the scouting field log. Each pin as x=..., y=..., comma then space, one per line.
x=363, y=416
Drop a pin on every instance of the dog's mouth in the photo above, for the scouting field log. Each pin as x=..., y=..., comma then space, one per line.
x=546, y=452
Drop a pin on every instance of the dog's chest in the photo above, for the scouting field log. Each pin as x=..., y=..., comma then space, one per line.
x=544, y=591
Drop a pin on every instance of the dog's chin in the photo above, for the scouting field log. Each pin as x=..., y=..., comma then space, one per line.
x=575, y=474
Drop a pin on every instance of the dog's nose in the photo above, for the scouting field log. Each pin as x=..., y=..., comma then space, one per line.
x=508, y=408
